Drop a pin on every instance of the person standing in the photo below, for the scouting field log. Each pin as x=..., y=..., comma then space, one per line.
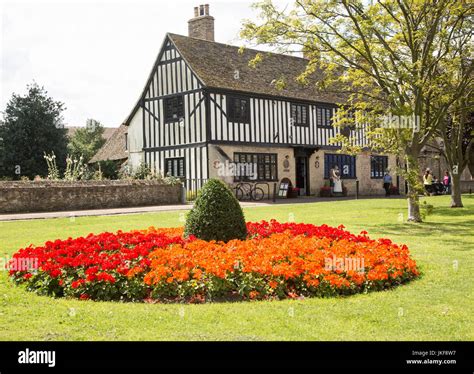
x=337, y=183
x=387, y=183
x=331, y=178
x=447, y=182
x=428, y=181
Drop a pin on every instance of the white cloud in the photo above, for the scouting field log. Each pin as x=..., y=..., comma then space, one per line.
x=96, y=56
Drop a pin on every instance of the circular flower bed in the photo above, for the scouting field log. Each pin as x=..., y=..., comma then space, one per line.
x=277, y=260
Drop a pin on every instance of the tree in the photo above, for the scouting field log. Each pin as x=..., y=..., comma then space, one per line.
x=457, y=146
x=32, y=125
x=86, y=141
x=388, y=57
x=216, y=214
x=457, y=131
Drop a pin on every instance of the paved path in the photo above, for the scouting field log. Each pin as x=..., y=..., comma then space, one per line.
x=103, y=212
x=161, y=208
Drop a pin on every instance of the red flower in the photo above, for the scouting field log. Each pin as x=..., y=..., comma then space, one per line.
x=105, y=277
x=77, y=283
x=55, y=273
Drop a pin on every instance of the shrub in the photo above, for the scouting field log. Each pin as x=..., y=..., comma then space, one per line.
x=216, y=214
x=109, y=169
x=143, y=171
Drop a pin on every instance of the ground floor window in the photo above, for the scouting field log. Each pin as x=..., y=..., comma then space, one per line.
x=378, y=166
x=265, y=164
x=175, y=167
x=345, y=163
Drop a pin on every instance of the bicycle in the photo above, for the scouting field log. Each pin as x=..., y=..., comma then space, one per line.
x=247, y=191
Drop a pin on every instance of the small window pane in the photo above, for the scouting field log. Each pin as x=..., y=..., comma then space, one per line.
x=345, y=163
x=174, y=108
x=299, y=114
x=238, y=110
x=266, y=166
x=175, y=167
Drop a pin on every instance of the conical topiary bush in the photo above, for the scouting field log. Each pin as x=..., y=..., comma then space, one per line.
x=216, y=214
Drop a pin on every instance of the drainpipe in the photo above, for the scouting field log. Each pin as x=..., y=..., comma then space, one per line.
x=183, y=193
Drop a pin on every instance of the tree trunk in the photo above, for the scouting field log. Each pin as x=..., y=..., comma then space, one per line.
x=412, y=177
x=413, y=207
x=456, y=200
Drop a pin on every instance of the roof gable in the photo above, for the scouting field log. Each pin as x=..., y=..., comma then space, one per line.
x=225, y=67
x=153, y=88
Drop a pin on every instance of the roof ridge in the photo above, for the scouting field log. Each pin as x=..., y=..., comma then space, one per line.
x=237, y=47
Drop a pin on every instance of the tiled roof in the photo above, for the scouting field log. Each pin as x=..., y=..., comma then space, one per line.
x=114, y=147
x=108, y=131
x=223, y=66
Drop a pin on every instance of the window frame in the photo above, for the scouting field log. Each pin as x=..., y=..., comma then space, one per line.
x=381, y=173
x=295, y=106
x=259, y=156
x=175, y=159
x=324, y=117
x=231, y=106
x=328, y=164
x=179, y=108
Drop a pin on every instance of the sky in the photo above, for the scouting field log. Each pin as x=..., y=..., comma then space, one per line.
x=95, y=56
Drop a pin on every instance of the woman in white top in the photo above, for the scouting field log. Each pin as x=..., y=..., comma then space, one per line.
x=336, y=178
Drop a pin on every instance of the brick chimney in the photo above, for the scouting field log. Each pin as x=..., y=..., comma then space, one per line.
x=202, y=25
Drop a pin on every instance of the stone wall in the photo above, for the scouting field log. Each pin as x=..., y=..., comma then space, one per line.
x=49, y=196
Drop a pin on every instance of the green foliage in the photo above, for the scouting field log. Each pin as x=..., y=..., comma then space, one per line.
x=53, y=171
x=382, y=59
x=426, y=209
x=143, y=171
x=32, y=125
x=170, y=180
x=75, y=168
x=87, y=140
x=216, y=214
x=437, y=248
x=109, y=169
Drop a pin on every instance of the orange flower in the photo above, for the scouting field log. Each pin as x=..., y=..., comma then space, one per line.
x=273, y=284
x=253, y=294
x=197, y=273
x=134, y=271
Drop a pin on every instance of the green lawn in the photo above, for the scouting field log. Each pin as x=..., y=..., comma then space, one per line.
x=439, y=306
